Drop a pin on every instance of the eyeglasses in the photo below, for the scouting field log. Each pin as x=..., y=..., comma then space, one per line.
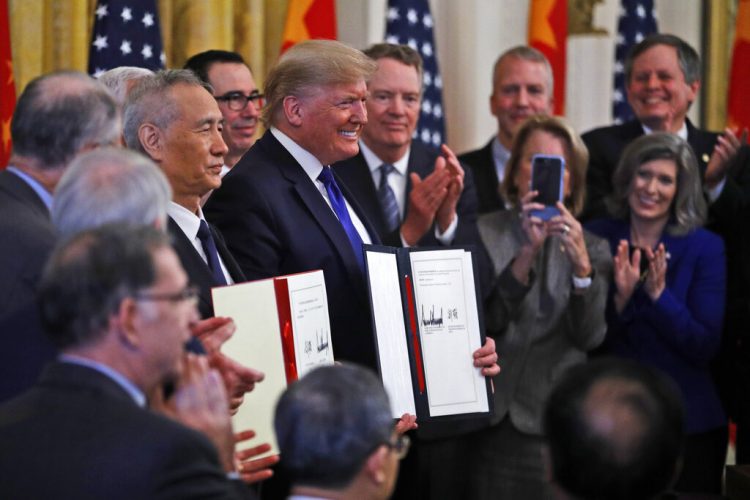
x=237, y=100
x=400, y=445
x=190, y=292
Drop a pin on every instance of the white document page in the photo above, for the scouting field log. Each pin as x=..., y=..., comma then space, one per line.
x=256, y=343
x=449, y=331
x=310, y=323
x=390, y=331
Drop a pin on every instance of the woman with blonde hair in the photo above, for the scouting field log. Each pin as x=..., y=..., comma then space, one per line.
x=545, y=310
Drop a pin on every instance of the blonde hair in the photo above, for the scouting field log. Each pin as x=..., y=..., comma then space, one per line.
x=309, y=65
x=576, y=162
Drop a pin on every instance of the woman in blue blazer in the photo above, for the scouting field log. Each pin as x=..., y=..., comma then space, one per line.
x=666, y=304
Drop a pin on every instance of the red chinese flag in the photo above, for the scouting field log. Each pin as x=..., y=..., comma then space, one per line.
x=738, y=104
x=309, y=20
x=7, y=87
x=548, y=33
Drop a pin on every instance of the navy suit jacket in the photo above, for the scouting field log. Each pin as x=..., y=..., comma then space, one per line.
x=196, y=268
x=681, y=332
x=77, y=434
x=276, y=222
x=482, y=165
x=356, y=175
x=27, y=239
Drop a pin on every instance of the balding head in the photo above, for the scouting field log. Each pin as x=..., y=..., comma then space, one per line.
x=615, y=430
x=59, y=115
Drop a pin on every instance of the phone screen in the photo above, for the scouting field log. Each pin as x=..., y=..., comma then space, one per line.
x=547, y=179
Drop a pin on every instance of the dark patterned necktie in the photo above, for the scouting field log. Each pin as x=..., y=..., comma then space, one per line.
x=387, y=199
x=212, y=254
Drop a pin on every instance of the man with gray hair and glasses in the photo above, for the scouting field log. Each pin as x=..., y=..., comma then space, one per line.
x=118, y=305
x=336, y=435
x=57, y=116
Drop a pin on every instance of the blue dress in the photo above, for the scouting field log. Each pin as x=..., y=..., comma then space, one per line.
x=680, y=333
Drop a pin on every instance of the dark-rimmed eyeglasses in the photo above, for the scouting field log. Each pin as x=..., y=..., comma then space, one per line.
x=400, y=445
x=236, y=101
x=188, y=293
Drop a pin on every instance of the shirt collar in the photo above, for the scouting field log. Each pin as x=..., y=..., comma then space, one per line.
x=121, y=380
x=43, y=194
x=682, y=133
x=374, y=162
x=309, y=163
x=187, y=220
x=499, y=152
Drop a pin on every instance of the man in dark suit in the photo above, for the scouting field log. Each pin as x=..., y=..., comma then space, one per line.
x=57, y=116
x=117, y=303
x=663, y=78
x=335, y=432
x=522, y=86
x=238, y=96
x=423, y=197
x=173, y=118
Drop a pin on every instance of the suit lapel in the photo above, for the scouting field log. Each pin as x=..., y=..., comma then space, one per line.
x=319, y=210
x=357, y=179
x=196, y=269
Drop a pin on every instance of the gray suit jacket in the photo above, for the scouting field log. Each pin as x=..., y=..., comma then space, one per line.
x=543, y=328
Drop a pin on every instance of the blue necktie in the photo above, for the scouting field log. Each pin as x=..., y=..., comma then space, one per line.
x=212, y=254
x=339, y=207
x=387, y=199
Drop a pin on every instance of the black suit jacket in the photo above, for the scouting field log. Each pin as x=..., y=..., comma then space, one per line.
x=482, y=165
x=77, y=434
x=356, y=175
x=196, y=268
x=27, y=239
x=276, y=222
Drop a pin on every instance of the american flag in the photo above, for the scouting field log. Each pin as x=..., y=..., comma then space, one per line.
x=126, y=33
x=409, y=22
x=637, y=21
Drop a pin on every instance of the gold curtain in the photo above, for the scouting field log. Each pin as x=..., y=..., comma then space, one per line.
x=48, y=35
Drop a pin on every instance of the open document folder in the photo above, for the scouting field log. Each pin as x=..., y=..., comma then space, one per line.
x=283, y=330
x=427, y=326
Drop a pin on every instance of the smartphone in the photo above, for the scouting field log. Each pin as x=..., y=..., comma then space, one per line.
x=547, y=173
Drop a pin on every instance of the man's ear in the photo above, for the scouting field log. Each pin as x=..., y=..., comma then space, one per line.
x=127, y=320
x=293, y=110
x=151, y=138
x=374, y=466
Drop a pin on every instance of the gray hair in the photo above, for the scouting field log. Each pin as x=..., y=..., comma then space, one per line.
x=89, y=275
x=110, y=185
x=61, y=113
x=687, y=57
x=525, y=53
x=150, y=101
x=688, y=209
x=329, y=422
x=119, y=80
x=309, y=65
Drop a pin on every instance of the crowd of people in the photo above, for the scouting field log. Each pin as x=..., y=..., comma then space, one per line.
x=619, y=322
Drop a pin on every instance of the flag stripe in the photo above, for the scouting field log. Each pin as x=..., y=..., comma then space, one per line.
x=7, y=85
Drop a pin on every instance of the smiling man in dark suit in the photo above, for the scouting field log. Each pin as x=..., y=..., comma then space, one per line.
x=662, y=75
x=174, y=119
x=414, y=195
x=117, y=303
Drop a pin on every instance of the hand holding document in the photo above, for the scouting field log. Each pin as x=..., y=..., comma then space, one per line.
x=427, y=325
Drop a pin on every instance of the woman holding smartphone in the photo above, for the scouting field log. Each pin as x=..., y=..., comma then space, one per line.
x=545, y=310
x=666, y=305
